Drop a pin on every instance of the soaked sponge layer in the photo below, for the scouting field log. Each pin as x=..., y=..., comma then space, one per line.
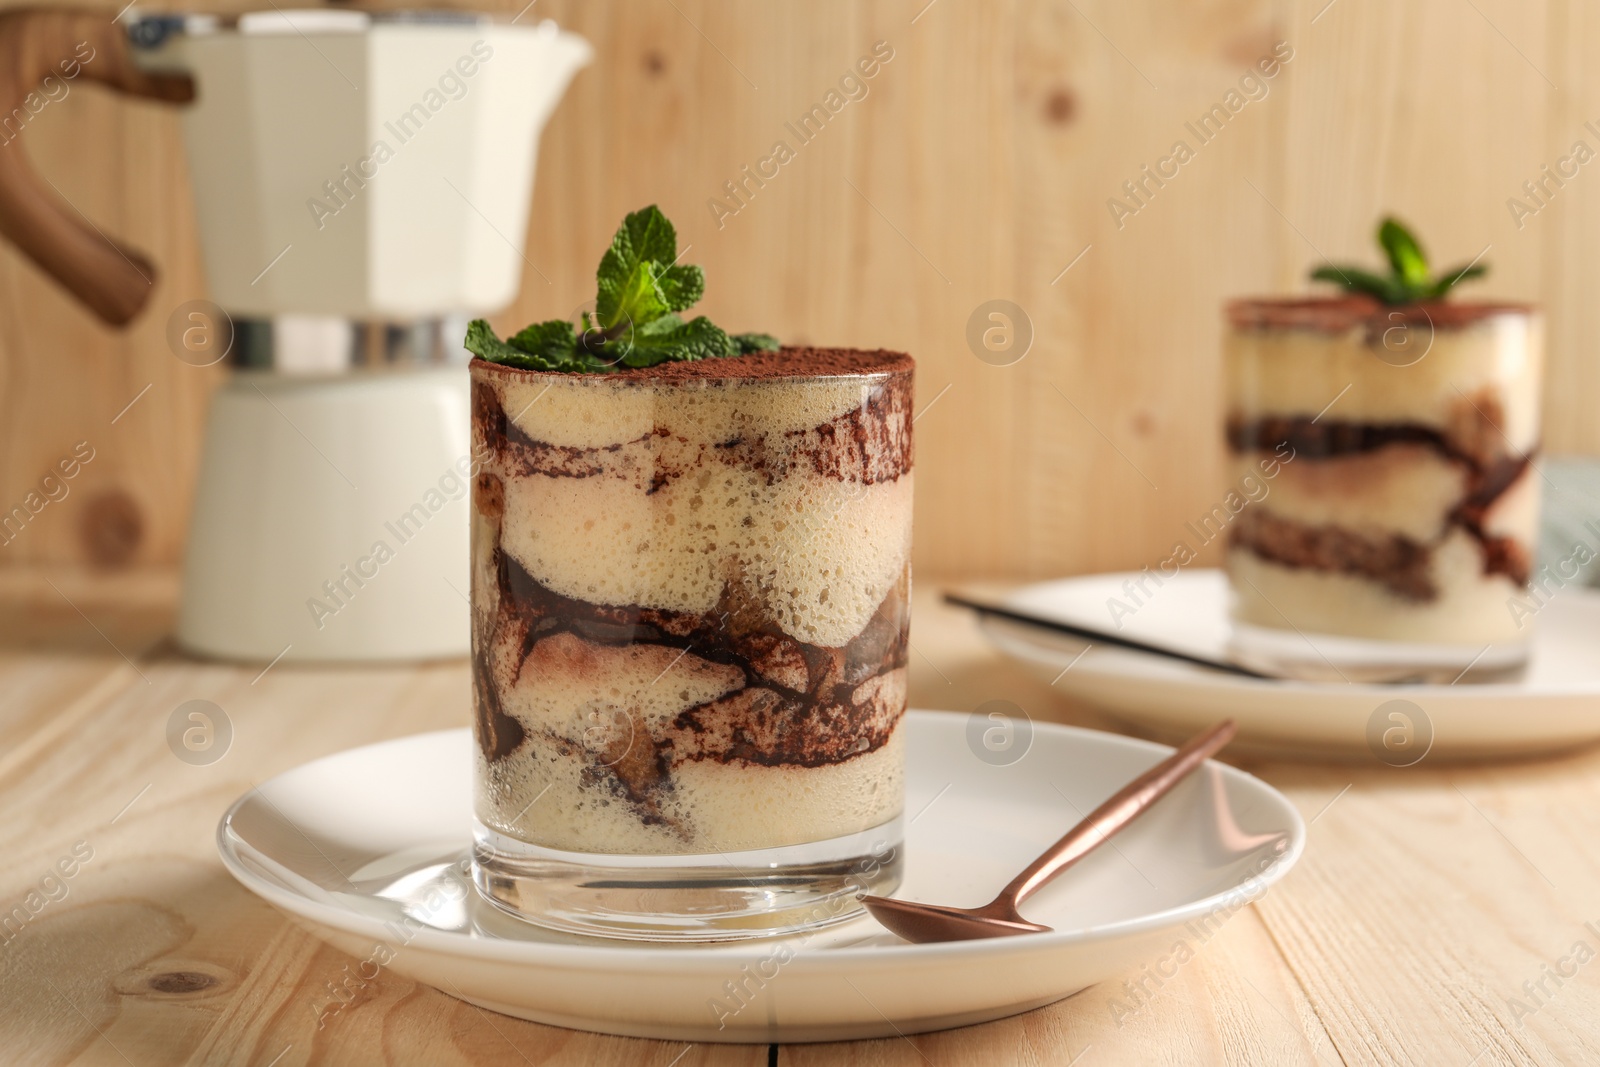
x=663, y=496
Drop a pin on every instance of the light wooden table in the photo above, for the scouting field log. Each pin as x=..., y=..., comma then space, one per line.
x=1427, y=898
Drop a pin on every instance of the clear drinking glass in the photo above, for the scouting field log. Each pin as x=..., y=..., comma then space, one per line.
x=690, y=615
x=1382, y=511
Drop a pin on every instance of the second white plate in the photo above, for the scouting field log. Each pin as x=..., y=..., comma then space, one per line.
x=1555, y=705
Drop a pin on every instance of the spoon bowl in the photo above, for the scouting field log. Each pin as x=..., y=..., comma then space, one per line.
x=939, y=922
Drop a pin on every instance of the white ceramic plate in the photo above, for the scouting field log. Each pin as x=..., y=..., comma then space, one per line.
x=364, y=848
x=1556, y=704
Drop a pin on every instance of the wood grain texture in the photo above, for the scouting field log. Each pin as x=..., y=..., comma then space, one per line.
x=978, y=166
x=1427, y=896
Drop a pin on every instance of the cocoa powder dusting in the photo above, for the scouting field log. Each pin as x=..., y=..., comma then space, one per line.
x=787, y=362
x=1341, y=314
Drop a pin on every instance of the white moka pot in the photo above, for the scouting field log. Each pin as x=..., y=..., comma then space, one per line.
x=362, y=184
x=363, y=187
x=365, y=166
x=330, y=519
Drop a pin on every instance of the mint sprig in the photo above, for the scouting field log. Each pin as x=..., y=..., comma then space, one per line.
x=640, y=289
x=1409, y=279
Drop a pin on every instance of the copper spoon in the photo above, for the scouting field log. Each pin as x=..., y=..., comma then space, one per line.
x=1000, y=918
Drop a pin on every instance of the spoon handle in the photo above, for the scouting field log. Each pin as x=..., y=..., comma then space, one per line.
x=1128, y=803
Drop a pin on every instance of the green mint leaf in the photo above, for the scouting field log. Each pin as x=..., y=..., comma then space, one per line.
x=645, y=236
x=546, y=336
x=1409, y=279
x=639, y=300
x=1356, y=280
x=640, y=288
x=1452, y=278
x=554, y=340
x=682, y=287
x=664, y=325
x=1406, y=258
x=483, y=341
x=610, y=280
x=755, y=342
x=651, y=235
x=671, y=339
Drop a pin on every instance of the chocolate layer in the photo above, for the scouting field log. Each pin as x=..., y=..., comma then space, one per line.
x=1400, y=563
x=1324, y=440
x=809, y=710
x=1501, y=555
x=798, y=705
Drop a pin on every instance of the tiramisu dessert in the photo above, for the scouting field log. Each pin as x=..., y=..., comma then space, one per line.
x=1393, y=430
x=690, y=612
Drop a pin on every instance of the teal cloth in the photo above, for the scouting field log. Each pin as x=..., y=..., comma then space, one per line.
x=1571, y=515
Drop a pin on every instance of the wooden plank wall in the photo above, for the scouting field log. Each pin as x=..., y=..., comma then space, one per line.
x=978, y=167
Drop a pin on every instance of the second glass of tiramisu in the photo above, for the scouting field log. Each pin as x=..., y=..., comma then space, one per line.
x=690, y=596
x=1385, y=439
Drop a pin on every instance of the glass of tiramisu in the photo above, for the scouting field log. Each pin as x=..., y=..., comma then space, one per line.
x=1381, y=445
x=690, y=592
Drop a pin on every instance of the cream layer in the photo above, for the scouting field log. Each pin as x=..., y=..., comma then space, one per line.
x=1469, y=608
